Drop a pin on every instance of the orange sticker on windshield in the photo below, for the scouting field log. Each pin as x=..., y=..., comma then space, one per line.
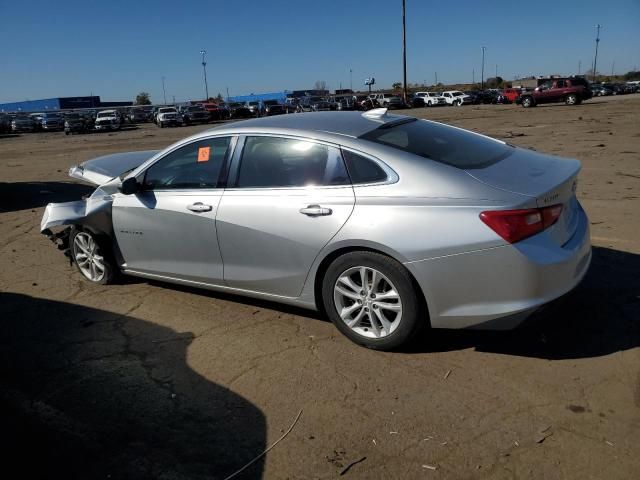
x=203, y=154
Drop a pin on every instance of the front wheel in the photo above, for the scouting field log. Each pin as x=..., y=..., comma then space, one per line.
x=93, y=261
x=571, y=99
x=371, y=299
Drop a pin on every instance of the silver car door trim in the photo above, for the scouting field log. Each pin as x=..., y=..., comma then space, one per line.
x=224, y=288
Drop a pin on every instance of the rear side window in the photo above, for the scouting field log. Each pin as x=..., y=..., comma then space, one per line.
x=362, y=169
x=273, y=162
x=441, y=143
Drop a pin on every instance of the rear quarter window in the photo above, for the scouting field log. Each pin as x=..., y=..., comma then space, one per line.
x=362, y=169
x=441, y=143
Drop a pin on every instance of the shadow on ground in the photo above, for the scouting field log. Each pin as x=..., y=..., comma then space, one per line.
x=86, y=393
x=26, y=195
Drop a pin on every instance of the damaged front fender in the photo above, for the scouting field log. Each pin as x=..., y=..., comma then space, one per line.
x=94, y=210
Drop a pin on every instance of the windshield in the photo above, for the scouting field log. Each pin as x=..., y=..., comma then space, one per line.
x=167, y=110
x=72, y=116
x=195, y=109
x=105, y=114
x=457, y=94
x=440, y=143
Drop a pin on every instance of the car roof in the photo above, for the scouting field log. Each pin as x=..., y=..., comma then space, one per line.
x=351, y=124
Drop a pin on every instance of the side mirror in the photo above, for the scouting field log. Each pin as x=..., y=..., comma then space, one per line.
x=129, y=186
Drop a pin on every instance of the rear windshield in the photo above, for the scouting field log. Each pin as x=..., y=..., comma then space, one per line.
x=441, y=143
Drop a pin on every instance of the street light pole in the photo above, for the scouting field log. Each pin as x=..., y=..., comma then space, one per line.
x=595, y=58
x=404, y=50
x=579, y=66
x=164, y=92
x=204, y=72
x=482, y=75
x=351, y=79
x=473, y=76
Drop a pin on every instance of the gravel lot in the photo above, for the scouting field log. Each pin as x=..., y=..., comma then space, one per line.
x=147, y=380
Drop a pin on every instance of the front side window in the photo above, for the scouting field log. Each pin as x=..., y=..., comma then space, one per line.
x=194, y=166
x=281, y=162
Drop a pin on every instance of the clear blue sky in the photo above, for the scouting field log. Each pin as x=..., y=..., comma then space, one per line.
x=117, y=48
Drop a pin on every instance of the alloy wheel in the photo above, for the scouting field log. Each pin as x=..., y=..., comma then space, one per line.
x=87, y=256
x=367, y=302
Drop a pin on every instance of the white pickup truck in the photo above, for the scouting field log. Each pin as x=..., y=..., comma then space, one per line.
x=431, y=99
x=108, y=120
x=457, y=98
x=168, y=116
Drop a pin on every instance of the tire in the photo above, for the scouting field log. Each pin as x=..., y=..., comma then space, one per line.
x=527, y=102
x=458, y=103
x=571, y=99
x=91, y=257
x=404, y=308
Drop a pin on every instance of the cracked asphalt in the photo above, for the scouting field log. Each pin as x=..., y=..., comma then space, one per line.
x=148, y=380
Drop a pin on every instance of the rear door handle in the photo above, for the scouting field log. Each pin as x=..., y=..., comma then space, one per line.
x=199, y=207
x=315, y=211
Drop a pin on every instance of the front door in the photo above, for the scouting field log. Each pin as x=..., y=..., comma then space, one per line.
x=168, y=228
x=289, y=198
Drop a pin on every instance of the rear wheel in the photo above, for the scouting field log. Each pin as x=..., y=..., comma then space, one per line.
x=527, y=102
x=371, y=299
x=91, y=258
x=571, y=99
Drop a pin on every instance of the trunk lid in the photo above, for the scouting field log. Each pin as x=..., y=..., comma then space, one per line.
x=547, y=179
x=102, y=169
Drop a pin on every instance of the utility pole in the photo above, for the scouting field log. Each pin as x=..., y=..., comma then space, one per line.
x=473, y=76
x=404, y=50
x=436, y=84
x=579, y=66
x=174, y=99
x=595, y=58
x=164, y=92
x=482, y=75
x=204, y=71
x=613, y=64
x=351, y=79
x=227, y=94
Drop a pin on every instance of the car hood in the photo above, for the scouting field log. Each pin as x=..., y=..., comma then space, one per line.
x=102, y=169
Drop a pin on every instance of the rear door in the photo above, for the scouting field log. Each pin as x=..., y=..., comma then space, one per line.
x=168, y=228
x=287, y=198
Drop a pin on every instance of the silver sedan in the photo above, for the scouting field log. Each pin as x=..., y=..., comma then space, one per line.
x=385, y=222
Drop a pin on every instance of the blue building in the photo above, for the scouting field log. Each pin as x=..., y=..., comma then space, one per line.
x=260, y=97
x=60, y=103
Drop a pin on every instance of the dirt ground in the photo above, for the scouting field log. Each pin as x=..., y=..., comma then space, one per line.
x=147, y=380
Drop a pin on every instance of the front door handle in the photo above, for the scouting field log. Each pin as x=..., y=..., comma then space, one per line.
x=199, y=207
x=315, y=211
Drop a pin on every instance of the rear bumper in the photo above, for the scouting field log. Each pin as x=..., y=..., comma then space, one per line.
x=500, y=287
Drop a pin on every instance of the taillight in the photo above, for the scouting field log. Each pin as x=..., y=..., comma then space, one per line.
x=516, y=225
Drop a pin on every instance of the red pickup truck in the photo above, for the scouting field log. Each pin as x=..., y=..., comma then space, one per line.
x=571, y=91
